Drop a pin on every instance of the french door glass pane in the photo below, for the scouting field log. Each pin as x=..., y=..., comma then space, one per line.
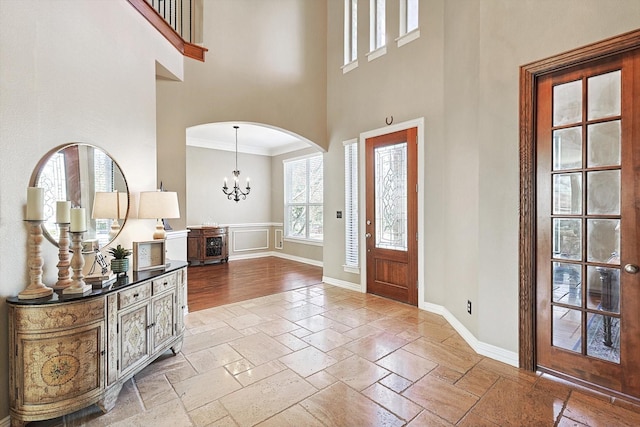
x=567, y=103
x=567, y=148
x=603, y=288
x=604, y=93
x=603, y=337
x=603, y=240
x=567, y=282
x=567, y=194
x=391, y=196
x=603, y=144
x=567, y=328
x=567, y=239
x=603, y=192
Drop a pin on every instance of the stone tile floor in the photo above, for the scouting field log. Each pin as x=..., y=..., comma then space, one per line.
x=326, y=356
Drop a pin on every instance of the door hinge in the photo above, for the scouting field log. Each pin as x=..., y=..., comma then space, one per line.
x=417, y=284
x=416, y=188
x=416, y=236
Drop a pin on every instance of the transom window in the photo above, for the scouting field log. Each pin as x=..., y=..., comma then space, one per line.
x=378, y=23
x=350, y=31
x=408, y=16
x=303, y=198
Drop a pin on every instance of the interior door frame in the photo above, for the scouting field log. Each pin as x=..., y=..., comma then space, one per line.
x=362, y=199
x=529, y=75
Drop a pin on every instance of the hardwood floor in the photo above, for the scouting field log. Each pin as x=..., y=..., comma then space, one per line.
x=213, y=285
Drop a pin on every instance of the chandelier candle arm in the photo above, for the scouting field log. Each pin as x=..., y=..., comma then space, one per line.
x=236, y=193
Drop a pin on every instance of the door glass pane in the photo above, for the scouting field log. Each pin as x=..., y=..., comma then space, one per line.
x=603, y=99
x=391, y=196
x=603, y=337
x=567, y=239
x=603, y=288
x=567, y=103
x=603, y=240
x=567, y=148
x=567, y=194
x=603, y=144
x=567, y=329
x=603, y=192
x=567, y=282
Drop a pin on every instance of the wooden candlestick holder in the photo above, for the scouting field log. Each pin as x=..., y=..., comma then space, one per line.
x=78, y=285
x=36, y=288
x=64, y=257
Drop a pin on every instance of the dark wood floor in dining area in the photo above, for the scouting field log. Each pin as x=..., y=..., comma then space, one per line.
x=212, y=285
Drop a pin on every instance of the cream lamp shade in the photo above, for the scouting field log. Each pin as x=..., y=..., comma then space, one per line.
x=158, y=205
x=110, y=205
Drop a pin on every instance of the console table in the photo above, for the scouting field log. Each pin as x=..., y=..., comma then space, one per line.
x=208, y=244
x=68, y=352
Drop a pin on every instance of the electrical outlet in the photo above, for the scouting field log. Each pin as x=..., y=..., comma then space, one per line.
x=468, y=306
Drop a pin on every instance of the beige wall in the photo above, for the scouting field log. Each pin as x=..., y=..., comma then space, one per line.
x=461, y=75
x=206, y=170
x=266, y=64
x=71, y=70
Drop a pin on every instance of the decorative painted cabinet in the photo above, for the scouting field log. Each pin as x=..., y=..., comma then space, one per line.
x=208, y=244
x=67, y=353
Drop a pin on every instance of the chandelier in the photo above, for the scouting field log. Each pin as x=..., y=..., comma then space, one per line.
x=236, y=193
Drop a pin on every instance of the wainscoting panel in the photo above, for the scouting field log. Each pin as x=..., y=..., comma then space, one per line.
x=250, y=240
x=278, y=243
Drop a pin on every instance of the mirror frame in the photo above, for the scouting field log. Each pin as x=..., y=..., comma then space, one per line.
x=45, y=159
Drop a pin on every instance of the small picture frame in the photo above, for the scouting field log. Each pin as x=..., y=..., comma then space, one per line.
x=148, y=255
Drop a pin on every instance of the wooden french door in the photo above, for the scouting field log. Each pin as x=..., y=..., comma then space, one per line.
x=588, y=223
x=391, y=228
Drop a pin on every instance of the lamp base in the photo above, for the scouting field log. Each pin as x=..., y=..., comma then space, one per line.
x=159, y=234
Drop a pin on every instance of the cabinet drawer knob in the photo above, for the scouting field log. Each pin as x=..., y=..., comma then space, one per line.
x=136, y=295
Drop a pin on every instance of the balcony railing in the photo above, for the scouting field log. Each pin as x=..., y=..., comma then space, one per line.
x=178, y=14
x=175, y=19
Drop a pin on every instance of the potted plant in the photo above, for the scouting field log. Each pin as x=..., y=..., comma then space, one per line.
x=120, y=262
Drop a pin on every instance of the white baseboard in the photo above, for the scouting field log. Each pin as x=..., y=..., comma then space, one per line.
x=5, y=422
x=484, y=349
x=276, y=254
x=342, y=283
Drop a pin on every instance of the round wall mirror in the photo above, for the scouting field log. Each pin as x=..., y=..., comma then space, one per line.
x=89, y=178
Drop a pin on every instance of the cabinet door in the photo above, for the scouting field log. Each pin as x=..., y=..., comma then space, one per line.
x=163, y=314
x=134, y=343
x=59, y=366
x=181, y=298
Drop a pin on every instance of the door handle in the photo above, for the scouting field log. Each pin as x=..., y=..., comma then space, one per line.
x=631, y=268
x=368, y=235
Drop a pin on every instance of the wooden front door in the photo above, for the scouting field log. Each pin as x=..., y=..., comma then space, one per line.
x=588, y=223
x=392, y=216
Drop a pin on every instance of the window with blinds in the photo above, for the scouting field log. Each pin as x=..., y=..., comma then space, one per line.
x=351, y=203
x=303, y=188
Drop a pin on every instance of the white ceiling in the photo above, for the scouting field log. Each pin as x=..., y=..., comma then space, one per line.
x=252, y=138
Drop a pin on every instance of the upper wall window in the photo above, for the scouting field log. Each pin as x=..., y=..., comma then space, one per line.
x=350, y=31
x=408, y=21
x=303, y=198
x=377, y=32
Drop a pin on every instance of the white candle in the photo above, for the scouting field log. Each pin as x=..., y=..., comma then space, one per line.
x=35, y=203
x=78, y=220
x=63, y=212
